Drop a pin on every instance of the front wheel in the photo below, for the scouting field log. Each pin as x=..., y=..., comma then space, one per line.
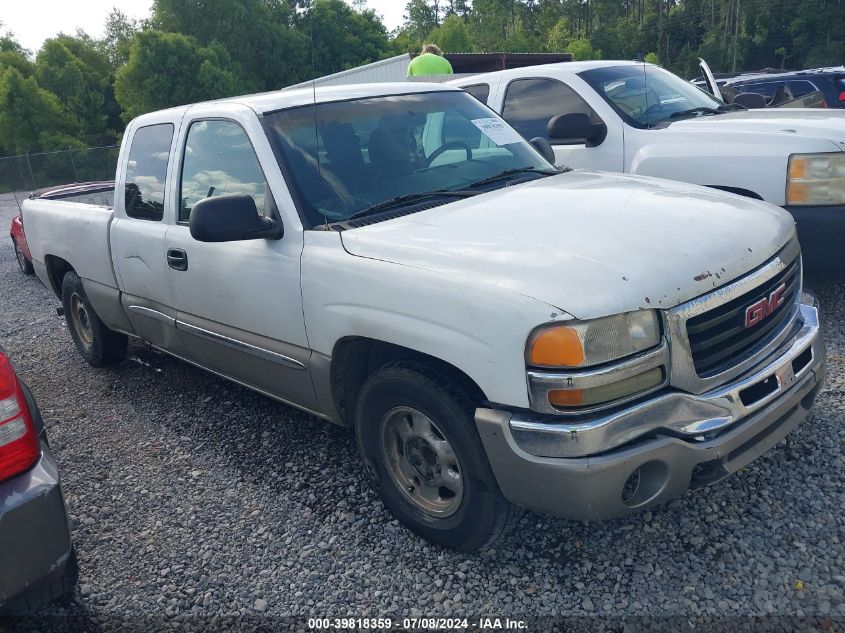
x=99, y=345
x=417, y=436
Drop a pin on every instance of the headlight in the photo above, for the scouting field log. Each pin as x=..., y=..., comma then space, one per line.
x=572, y=368
x=586, y=343
x=817, y=179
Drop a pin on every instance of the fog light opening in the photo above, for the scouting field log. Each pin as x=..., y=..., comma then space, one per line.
x=706, y=473
x=645, y=484
x=632, y=485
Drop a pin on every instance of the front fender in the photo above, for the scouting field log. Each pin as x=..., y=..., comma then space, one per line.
x=480, y=330
x=752, y=162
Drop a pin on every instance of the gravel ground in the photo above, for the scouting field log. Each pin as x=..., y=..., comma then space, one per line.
x=196, y=501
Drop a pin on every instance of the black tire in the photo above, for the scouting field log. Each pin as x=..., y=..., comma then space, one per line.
x=483, y=515
x=99, y=345
x=24, y=264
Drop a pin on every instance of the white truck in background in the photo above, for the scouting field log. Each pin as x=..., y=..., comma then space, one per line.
x=640, y=119
x=499, y=333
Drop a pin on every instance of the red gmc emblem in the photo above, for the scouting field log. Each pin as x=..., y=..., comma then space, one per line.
x=758, y=311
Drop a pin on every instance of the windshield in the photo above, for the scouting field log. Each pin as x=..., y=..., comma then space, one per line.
x=365, y=152
x=645, y=95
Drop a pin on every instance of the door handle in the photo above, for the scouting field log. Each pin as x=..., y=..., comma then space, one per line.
x=177, y=259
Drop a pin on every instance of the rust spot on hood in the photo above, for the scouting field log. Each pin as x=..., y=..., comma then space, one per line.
x=703, y=276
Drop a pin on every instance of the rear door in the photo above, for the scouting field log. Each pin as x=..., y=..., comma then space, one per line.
x=239, y=303
x=138, y=232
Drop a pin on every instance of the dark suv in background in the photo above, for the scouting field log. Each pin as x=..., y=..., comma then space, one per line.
x=791, y=85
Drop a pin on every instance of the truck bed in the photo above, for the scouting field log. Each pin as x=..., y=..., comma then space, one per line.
x=68, y=221
x=99, y=193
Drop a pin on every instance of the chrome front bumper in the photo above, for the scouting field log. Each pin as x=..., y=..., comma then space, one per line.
x=682, y=414
x=669, y=443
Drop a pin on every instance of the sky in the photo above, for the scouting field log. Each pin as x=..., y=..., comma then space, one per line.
x=33, y=21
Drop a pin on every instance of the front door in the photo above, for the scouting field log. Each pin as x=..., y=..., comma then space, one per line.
x=529, y=104
x=239, y=304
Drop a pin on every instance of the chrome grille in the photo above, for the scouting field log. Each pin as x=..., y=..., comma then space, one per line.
x=719, y=337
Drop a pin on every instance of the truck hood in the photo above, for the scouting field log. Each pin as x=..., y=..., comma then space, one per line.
x=588, y=243
x=790, y=122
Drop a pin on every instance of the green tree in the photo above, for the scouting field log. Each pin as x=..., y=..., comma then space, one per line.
x=117, y=38
x=402, y=42
x=79, y=73
x=170, y=69
x=344, y=38
x=456, y=7
x=559, y=36
x=452, y=36
x=521, y=40
x=259, y=35
x=816, y=29
x=31, y=118
x=492, y=22
x=14, y=56
x=420, y=20
x=581, y=49
x=560, y=41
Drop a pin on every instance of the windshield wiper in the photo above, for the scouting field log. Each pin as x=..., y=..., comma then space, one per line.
x=698, y=110
x=511, y=172
x=409, y=197
x=457, y=193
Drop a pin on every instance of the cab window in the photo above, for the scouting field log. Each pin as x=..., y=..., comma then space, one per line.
x=767, y=89
x=801, y=88
x=219, y=159
x=531, y=103
x=479, y=91
x=146, y=172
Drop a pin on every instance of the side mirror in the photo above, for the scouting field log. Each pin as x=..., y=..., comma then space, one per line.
x=231, y=218
x=544, y=148
x=576, y=128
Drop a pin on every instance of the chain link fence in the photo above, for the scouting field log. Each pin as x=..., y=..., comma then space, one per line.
x=48, y=169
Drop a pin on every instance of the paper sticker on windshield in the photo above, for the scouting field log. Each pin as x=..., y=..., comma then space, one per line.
x=497, y=131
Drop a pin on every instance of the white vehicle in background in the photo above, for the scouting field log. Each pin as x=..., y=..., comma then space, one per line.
x=396, y=259
x=640, y=119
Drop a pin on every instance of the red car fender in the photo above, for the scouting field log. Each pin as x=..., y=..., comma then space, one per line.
x=19, y=236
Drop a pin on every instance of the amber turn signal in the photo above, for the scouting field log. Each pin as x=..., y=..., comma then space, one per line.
x=566, y=398
x=557, y=347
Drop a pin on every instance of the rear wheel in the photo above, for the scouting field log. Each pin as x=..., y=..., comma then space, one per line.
x=98, y=344
x=23, y=262
x=417, y=435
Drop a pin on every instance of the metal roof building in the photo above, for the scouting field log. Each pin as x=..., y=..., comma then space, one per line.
x=395, y=68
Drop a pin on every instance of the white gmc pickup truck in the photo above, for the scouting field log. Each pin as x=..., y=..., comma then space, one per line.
x=499, y=333
x=641, y=119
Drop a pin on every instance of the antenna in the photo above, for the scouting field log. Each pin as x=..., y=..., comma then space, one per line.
x=314, y=99
x=645, y=82
x=17, y=202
